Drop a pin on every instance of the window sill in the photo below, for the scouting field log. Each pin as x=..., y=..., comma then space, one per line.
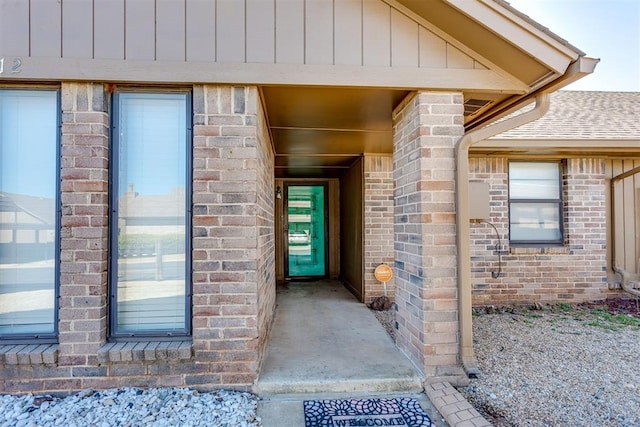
x=548, y=250
x=28, y=354
x=145, y=350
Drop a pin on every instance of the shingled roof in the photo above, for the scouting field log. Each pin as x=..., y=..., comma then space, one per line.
x=585, y=115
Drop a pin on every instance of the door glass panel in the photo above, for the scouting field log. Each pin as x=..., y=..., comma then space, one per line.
x=306, y=230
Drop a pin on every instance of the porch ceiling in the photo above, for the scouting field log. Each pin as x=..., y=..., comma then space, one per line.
x=322, y=131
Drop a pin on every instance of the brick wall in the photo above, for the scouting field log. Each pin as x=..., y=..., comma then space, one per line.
x=84, y=225
x=575, y=272
x=233, y=257
x=228, y=281
x=378, y=223
x=265, y=225
x=426, y=128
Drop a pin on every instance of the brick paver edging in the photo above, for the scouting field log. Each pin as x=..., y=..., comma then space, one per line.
x=455, y=409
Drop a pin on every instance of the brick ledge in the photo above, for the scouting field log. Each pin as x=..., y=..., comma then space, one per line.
x=145, y=350
x=547, y=250
x=28, y=354
x=454, y=407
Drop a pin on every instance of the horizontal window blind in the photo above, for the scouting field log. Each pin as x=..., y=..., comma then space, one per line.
x=150, y=228
x=28, y=212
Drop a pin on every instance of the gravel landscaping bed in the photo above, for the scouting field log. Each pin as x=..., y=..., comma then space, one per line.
x=387, y=319
x=560, y=365
x=131, y=407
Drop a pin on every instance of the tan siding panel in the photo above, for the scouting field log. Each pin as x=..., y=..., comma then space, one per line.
x=319, y=32
x=230, y=35
x=140, y=30
x=404, y=40
x=289, y=31
x=348, y=32
x=376, y=34
x=14, y=28
x=479, y=66
x=170, y=30
x=629, y=191
x=457, y=59
x=636, y=182
x=108, y=29
x=46, y=29
x=626, y=215
x=261, y=31
x=433, y=50
x=637, y=216
x=201, y=30
x=618, y=213
x=77, y=29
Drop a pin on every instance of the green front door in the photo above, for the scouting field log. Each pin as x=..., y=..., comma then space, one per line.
x=306, y=230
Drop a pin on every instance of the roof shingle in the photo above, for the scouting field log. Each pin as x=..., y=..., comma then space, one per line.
x=585, y=115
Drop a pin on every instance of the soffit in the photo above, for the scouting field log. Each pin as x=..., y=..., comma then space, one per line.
x=323, y=131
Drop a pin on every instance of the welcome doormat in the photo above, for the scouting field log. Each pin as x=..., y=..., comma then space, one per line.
x=368, y=412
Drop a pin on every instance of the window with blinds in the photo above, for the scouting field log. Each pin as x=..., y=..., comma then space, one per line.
x=150, y=223
x=535, y=203
x=29, y=212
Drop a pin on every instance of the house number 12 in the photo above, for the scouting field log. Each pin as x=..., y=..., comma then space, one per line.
x=15, y=68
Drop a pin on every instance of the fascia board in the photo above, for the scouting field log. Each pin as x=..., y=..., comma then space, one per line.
x=173, y=72
x=519, y=32
x=558, y=143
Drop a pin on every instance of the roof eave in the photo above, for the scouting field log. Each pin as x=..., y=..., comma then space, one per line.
x=564, y=62
x=611, y=147
x=520, y=31
x=578, y=69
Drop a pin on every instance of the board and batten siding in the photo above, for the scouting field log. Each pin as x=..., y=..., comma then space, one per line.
x=626, y=214
x=373, y=33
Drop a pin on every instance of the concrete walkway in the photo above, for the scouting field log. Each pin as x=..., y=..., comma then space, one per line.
x=324, y=344
x=323, y=340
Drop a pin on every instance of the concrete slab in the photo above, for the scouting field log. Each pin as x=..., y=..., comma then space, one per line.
x=325, y=341
x=324, y=344
x=288, y=410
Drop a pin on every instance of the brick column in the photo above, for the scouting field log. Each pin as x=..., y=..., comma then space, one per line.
x=426, y=127
x=378, y=223
x=233, y=256
x=84, y=227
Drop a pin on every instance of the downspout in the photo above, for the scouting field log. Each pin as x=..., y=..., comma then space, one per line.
x=626, y=281
x=462, y=221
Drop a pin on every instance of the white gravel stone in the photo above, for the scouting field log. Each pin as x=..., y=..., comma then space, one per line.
x=132, y=407
x=543, y=368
